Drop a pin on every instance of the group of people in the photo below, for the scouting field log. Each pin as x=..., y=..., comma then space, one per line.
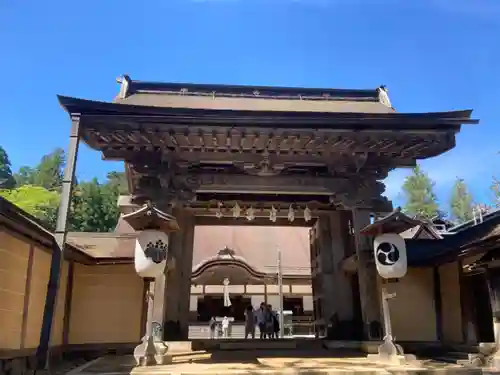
x=265, y=318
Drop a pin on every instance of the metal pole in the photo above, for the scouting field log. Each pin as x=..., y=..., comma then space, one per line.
x=280, y=288
x=60, y=239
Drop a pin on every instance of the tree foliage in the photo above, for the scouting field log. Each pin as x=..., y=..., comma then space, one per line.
x=495, y=188
x=6, y=178
x=36, y=200
x=49, y=172
x=25, y=176
x=94, y=207
x=461, y=202
x=421, y=201
x=119, y=180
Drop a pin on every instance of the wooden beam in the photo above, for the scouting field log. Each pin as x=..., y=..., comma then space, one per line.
x=241, y=184
x=258, y=221
x=138, y=156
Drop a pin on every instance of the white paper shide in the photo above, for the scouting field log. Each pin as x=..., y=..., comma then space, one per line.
x=390, y=255
x=151, y=250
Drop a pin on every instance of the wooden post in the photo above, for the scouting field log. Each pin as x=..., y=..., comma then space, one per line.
x=43, y=352
x=493, y=278
x=367, y=274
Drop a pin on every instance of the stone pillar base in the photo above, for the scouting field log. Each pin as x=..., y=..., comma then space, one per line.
x=488, y=356
x=162, y=357
x=398, y=360
x=150, y=353
x=144, y=353
x=391, y=353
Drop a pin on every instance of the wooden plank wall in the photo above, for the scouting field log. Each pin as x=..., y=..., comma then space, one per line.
x=95, y=304
x=106, y=305
x=24, y=277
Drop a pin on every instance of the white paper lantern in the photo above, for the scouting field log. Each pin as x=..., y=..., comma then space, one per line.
x=390, y=255
x=151, y=250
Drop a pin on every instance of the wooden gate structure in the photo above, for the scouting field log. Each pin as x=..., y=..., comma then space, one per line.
x=202, y=151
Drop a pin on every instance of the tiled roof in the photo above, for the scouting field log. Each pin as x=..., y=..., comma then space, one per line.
x=251, y=98
x=395, y=222
x=462, y=243
x=255, y=104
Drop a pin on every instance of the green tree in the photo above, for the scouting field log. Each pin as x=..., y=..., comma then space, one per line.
x=419, y=193
x=94, y=207
x=6, y=178
x=35, y=200
x=461, y=202
x=49, y=173
x=25, y=176
x=118, y=179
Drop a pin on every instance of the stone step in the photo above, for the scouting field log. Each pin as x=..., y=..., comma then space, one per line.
x=258, y=345
x=201, y=331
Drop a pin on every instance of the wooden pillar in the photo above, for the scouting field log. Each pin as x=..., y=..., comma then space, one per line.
x=367, y=275
x=185, y=273
x=178, y=280
x=315, y=278
x=343, y=289
x=337, y=304
x=328, y=303
x=493, y=278
x=438, y=303
x=467, y=307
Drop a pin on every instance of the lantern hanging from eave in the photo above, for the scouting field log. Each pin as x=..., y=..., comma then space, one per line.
x=151, y=252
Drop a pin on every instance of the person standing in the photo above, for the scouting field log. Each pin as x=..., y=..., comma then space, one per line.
x=270, y=322
x=276, y=323
x=261, y=320
x=212, y=324
x=225, y=327
x=249, y=322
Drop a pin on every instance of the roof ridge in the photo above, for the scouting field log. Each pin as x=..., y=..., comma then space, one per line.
x=129, y=87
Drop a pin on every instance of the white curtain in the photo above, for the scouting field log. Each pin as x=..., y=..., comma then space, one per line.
x=227, y=300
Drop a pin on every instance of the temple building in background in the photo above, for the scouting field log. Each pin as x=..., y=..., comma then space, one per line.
x=244, y=255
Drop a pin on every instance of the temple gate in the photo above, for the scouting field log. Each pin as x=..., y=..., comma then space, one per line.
x=214, y=154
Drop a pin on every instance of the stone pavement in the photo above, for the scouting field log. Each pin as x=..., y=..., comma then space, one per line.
x=265, y=362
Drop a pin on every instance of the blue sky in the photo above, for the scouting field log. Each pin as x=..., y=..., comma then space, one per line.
x=434, y=55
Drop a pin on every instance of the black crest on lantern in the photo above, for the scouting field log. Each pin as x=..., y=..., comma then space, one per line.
x=156, y=251
x=387, y=254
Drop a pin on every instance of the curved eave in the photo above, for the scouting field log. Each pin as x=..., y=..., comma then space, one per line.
x=235, y=262
x=205, y=266
x=90, y=108
x=149, y=217
x=395, y=222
